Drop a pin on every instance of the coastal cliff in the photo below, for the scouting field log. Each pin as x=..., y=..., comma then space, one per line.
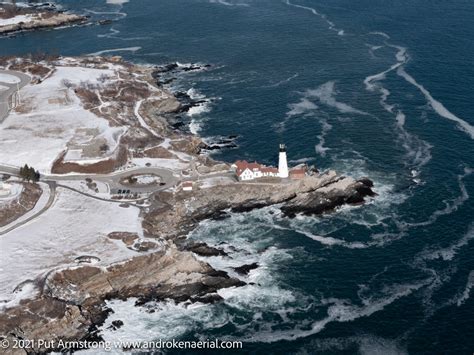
x=71, y=301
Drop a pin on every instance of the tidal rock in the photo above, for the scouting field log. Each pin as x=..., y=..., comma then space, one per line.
x=116, y=324
x=245, y=269
x=203, y=249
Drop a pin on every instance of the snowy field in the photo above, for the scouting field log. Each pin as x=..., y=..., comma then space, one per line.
x=64, y=232
x=171, y=164
x=9, y=192
x=51, y=117
x=147, y=179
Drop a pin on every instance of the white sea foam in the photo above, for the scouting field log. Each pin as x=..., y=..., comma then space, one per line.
x=320, y=148
x=117, y=2
x=379, y=33
x=302, y=107
x=126, y=49
x=451, y=205
x=198, y=110
x=418, y=150
x=449, y=252
x=226, y=3
x=338, y=311
x=331, y=24
x=437, y=106
x=464, y=296
x=281, y=82
x=326, y=95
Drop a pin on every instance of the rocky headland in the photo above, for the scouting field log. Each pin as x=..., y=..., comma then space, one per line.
x=14, y=19
x=71, y=302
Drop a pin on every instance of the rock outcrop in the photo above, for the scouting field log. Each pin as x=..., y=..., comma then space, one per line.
x=50, y=21
x=313, y=195
x=72, y=302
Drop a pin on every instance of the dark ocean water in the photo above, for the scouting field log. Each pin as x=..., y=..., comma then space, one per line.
x=377, y=88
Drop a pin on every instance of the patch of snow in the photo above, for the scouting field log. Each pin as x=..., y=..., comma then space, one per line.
x=172, y=164
x=147, y=179
x=16, y=20
x=64, y=232
x=215, y=181
x=8, y=78
x=53, y=116
x=81, y=185
x=9, y=192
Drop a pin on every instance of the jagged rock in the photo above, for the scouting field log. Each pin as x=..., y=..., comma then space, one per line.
x=203, y=249
x=245, y=269
x=116, y=324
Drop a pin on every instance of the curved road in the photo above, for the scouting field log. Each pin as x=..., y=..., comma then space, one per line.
x=52, y=195
x=12, y=88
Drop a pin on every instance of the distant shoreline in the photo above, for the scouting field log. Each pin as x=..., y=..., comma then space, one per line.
x=15, y=19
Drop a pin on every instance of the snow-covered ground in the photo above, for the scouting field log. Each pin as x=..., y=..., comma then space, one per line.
x=42, y=201
x=147, y=179
x=9, y=192
x=16, y=20
x=9, y=79
x=214, y=181
x=171, y=164
x=103, y=189
x=51, y=118
x=69, y=229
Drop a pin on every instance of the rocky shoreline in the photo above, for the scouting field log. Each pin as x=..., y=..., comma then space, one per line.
x=37, y=17
x=71, y=304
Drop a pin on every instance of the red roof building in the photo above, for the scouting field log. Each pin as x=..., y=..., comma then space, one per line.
x=298, y=173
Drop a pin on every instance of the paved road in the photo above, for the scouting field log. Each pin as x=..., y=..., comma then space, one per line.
x=52, y=196
x=12, y=88
x=113, y=179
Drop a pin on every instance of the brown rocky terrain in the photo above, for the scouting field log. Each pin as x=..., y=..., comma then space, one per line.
x=17, y=208
x=72, y=302
x=313, y=195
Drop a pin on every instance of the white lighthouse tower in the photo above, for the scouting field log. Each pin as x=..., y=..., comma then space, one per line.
x=282, y=163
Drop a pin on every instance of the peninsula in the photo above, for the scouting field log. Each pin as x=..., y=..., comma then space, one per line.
x=18, y=18
x=113, y=187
